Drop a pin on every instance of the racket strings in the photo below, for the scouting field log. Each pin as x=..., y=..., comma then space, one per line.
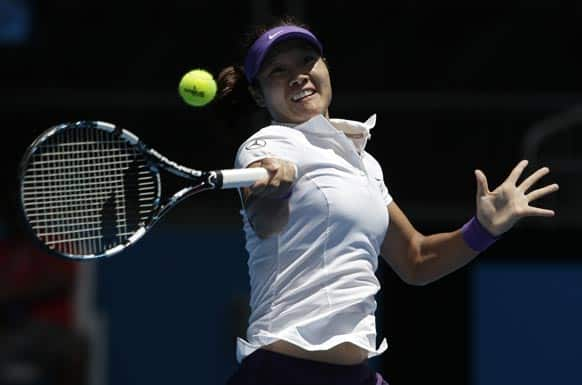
x=70, y=194
x=86, y=191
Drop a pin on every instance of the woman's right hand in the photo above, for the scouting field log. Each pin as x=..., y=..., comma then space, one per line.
x=266, y=201
x=278, y=184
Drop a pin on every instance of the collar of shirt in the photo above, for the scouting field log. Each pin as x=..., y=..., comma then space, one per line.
x=358, y=132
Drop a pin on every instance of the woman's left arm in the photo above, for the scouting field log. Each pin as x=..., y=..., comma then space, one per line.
x=421, y=259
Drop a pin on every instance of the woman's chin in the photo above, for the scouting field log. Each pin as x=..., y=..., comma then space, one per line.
x=308, y=112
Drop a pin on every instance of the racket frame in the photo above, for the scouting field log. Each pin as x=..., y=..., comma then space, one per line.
x=202, y=181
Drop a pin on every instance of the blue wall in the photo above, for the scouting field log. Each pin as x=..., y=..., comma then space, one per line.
x=527, y=323
x=169, y=305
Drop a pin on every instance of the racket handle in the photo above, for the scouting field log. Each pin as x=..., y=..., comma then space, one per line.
x=242, y=177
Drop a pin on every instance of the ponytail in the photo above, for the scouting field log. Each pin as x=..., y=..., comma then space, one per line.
x=229, y=81
x=233, y=87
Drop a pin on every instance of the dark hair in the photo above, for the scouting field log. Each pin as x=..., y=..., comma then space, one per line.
x=232, y=96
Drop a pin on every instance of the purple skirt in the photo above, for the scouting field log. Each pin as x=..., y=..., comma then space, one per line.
x=264, y=367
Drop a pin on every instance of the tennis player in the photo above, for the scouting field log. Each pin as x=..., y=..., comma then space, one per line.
x=315, y=228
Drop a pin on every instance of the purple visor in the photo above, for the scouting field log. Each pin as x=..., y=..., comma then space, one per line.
x=275, y=35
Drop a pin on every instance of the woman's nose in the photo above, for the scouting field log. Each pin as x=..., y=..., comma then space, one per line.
x=299, y=80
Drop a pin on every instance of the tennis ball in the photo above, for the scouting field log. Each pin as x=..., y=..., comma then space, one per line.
x=197, y=87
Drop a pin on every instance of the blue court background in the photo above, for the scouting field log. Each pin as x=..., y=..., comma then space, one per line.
x=169, y=306
x=527, y=323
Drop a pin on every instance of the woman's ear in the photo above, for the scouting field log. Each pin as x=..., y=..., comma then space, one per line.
x=257, y=96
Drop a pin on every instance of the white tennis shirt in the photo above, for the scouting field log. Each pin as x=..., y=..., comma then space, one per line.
x=314, y=283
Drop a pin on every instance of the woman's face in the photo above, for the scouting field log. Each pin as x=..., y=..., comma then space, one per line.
x=294, y=83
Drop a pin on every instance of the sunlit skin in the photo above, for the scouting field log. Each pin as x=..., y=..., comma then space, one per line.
x=291, y=67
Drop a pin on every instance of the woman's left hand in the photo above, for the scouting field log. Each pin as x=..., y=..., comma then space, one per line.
x=500, y=209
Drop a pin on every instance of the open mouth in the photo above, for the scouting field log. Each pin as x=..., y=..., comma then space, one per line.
x=302, y=95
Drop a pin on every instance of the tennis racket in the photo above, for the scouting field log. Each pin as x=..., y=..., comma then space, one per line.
x=90, y=189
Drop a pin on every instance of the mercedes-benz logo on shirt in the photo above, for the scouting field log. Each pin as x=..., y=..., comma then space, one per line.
x=257, y=143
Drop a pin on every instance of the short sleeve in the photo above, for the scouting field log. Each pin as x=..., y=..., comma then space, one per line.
x=375, y=171
x=385, y=193
x=270, y=142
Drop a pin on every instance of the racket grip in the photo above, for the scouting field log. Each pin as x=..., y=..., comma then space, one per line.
x=242, y=177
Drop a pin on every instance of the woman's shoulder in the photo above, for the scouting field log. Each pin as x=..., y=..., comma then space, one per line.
x=271, y=141
x=276, y=132
x=371, y=163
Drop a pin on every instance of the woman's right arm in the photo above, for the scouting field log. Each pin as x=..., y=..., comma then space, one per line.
x=267, y=201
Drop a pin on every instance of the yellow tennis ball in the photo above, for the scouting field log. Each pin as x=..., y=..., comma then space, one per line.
x=197, y=87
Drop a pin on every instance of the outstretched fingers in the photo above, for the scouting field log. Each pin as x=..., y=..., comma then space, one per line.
x=533, y=178
x=482, y=185
x=516, y=172
x=539, y=212
x=540, y=192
